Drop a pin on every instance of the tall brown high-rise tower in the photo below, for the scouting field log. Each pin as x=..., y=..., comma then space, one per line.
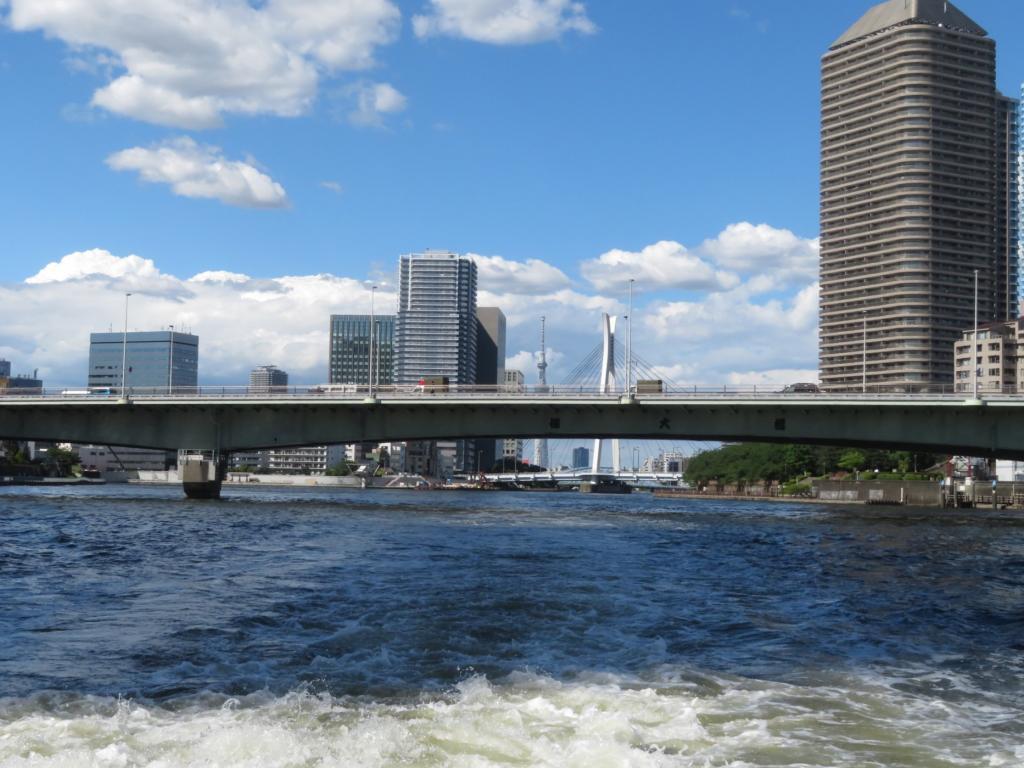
x=917, y=192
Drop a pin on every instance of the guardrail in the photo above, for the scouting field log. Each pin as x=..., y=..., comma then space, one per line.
x=355, y=393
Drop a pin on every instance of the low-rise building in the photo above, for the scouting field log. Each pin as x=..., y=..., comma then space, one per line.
x=21, y=381
x=107, y=458
x=994, y=359
x=307, y=460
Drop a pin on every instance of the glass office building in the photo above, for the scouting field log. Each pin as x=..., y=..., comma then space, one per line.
x=349, y=354
x=154, y=359
x=436, y=326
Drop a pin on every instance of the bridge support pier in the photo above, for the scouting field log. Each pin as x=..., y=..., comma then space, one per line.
x=202, y=477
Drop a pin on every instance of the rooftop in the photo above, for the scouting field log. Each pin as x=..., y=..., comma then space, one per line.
x=894, y=13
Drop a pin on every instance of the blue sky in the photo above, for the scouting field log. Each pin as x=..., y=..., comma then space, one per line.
x=598, y=128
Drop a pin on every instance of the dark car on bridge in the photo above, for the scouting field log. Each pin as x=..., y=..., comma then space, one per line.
x=801, y=388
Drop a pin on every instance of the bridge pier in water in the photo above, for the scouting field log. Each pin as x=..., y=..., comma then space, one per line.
x=201, y=476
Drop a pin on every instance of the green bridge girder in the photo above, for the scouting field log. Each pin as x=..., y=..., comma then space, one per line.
x=992, y=427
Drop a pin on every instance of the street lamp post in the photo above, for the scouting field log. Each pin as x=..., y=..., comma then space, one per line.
x=124, y=347
x=170, y=365
x=975, y=344
x=369, y=371
x=864, y=351
x=629, y=340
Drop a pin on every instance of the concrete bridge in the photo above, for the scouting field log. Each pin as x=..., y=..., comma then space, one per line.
x=225, y=420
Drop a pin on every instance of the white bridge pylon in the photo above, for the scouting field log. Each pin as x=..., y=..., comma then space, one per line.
x=607, y=386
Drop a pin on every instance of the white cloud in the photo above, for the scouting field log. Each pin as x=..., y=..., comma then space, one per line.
x=732, y=314
x=663, y=265
x=186, y=63
x=503, y=22
x=241, y=321
x=219, y=276
x=195, y=170
x=532, y=276
x=333, y=186
x=374, y=101
x=761, y=332
x=760, y=248
x=773, y=380
x=526, y=362
x=93, y=263
x=730, y=332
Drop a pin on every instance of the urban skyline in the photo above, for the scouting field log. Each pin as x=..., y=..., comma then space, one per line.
x=697, y=300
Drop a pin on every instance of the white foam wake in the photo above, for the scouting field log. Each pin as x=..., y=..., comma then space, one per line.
x=527, y=720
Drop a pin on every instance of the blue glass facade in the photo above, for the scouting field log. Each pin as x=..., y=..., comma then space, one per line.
x=349, y=354
x=151, y=355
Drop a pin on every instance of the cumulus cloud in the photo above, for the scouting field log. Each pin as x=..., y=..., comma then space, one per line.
x=532, y=276
x=373, y=102
x=95, y=263
x=194, y=170
x=503, y=22
x=241, y=321
x=760, y=248
x=732, y=331
x=663, y=265
x=526, y=362
x=186, y=63
x=773, y=380
x=761, y=332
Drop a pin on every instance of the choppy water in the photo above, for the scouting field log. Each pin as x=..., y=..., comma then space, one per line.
x=312, y=628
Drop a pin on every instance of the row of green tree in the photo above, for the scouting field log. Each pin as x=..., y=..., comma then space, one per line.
x=55, y=462
x=754, y=462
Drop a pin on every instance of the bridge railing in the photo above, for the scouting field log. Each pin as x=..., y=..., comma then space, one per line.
x=461, y=391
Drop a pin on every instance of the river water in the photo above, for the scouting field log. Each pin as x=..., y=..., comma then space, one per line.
x=343, y=628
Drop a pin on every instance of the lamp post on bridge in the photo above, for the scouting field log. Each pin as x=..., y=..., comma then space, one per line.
x=864, y=352
x=974, y=344
x=124, y=347
x=369, y=363
x=629, y=340
x=170, y=364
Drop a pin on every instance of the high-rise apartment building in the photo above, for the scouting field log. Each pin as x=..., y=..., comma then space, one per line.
x=436, y=327
x=436, y=335
x=917, y=192
x=1020, y=188
x=267, y=378
x=5, y=369
x=153, y=359
x=349, y=354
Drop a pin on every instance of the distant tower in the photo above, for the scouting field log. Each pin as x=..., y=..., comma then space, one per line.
x=540, y=445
